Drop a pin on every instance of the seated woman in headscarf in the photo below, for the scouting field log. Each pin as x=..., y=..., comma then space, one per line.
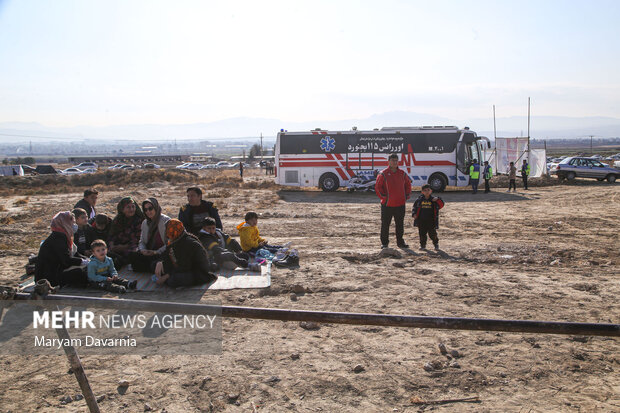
x=56, y=262
x=185, y=261
x=152, y=239
x=125, y=230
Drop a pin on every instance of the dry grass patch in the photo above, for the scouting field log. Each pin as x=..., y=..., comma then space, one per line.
x=22, y=201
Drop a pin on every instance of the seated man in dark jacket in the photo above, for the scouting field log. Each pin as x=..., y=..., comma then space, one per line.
x=224, y=250
x=88, y=203
x=197, y=209
x=185, y=261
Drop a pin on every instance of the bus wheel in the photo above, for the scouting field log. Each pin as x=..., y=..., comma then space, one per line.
x=437, y=182
x=329, y=182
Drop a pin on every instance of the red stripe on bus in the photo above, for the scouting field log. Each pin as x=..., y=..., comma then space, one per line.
x=341, y=173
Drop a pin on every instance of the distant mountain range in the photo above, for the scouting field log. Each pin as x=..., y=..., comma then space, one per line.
x=542, y=127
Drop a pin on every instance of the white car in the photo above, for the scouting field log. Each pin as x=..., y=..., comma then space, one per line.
x=87, y=165
x=208, y=166
x=71, y=171
x=117, y=166
x=190, y=165
x=223, y=164
x=89, y=171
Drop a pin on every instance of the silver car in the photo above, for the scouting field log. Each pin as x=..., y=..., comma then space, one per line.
x=581, y=167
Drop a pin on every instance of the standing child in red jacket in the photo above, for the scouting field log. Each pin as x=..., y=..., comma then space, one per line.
x=394, y=188
x=426, y=216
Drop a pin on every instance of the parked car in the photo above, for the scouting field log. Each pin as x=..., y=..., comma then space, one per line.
x=86, y=165
x=582, y=167
x=128, y=168
x=89, y=171
x=117, y=166
x=223, y=164
x=208, y=166
x=151, y=166
x=190, y=165
x=71, y=171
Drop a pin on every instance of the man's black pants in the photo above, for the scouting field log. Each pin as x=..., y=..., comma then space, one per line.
x=512, y=184
x=386, y=220
x=524, y=181
x=427, y=228
x=487, y=187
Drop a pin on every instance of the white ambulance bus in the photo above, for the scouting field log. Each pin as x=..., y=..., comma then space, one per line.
x=437, y=155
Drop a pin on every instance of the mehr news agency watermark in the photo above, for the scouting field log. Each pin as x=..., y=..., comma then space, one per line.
x=27, y=329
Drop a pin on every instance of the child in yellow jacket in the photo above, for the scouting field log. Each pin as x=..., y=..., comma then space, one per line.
x=251, y=241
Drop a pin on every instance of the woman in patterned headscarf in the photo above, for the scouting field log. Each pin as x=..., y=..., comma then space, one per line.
x=55, y=261
x=185, y=261
x=153, y=238
x=125, y=230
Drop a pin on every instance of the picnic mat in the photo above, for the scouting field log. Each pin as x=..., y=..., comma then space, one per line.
x=226, y=280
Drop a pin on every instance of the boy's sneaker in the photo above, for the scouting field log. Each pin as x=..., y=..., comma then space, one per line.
x=384, y=246
x=132, y=284
x=423, y=247
x=436, y=246
x=403, y=245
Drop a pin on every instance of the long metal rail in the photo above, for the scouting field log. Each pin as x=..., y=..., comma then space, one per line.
x=448, y=323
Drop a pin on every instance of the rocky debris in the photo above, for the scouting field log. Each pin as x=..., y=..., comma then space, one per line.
x=428, y=367
x=309, y=325
x=454, y=365
x=123, y=385
x=554, y=262
x=272, y=379
x=437, y=365
x=295, y=356
x=455, y=353
x=232, y=397
x=100, y=398
x=442, y=348
x=358, y=369
x=299, y=289
x=293, y=297
x=66, y=399
x=399, y=264
x=389, y=252
x=147, y=407
x=78, y=397
x=204, y=382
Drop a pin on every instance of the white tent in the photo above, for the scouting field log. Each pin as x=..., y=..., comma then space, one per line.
x=11, y=170
x=516, y=150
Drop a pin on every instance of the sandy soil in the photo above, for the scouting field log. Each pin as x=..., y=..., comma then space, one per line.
x=550, y=253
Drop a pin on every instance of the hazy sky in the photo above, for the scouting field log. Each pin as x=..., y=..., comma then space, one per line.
x=65, y=63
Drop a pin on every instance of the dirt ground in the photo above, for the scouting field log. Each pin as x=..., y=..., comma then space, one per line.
x=550, y=253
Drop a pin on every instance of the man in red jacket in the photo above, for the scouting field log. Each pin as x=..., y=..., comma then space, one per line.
x=394, y=188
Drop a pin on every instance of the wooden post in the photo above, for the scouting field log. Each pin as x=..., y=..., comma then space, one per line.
x=77, y=368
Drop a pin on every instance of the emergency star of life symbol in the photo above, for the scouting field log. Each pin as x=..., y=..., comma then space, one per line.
x=328, y=143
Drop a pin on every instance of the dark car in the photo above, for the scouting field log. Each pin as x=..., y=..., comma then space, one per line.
x=582, y=167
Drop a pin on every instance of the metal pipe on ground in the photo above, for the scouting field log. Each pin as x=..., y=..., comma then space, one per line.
x=387, y=320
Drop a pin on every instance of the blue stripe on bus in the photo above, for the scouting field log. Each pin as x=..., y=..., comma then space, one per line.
x=453, y=178
x=417, y=178
x=462, y=178
x=424, y=177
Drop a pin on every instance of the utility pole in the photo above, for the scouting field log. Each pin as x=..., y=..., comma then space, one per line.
x=591, y=151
